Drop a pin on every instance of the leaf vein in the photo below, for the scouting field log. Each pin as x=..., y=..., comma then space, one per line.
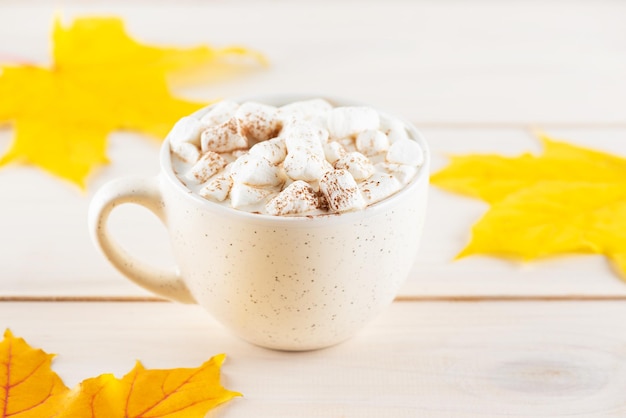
x=167, y=395
x=44, y=400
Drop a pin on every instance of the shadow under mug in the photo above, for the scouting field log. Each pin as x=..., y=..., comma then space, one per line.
x=287, y=283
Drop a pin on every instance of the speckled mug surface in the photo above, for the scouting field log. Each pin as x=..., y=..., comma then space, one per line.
x=287, y=283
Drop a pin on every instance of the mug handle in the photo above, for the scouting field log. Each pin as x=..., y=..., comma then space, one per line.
x=145, y=192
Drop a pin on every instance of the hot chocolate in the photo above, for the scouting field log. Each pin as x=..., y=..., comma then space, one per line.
x=305, y=158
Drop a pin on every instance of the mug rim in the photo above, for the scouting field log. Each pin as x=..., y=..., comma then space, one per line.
x=343, y=217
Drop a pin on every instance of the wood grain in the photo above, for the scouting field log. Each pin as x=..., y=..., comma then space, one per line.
x=475, y=78
x=41, y=258
x=475, y=338
x=433, y=360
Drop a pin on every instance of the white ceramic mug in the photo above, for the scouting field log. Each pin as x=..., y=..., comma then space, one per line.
x=289, y=283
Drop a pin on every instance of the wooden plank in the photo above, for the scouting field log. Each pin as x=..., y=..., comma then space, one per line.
x=46, y=248
x=475, y=82
x=434, y=360
x=479, y=61
x=45, y=257
x=450, y=218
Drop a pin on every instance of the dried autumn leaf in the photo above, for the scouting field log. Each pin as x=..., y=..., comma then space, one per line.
x=567, y=200
x=100, y=80
x=28, y=386
x=151, y=393
x=30, y=389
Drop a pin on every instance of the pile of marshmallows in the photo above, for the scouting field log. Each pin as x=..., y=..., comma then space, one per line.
x=303, y=158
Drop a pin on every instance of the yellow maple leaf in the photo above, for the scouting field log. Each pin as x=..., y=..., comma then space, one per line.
x=151, y=393
x=30, y=389
x=28, y=386
x=100, y=80
x=569, y=199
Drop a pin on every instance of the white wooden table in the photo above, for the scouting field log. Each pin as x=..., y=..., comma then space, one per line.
x=479, y=337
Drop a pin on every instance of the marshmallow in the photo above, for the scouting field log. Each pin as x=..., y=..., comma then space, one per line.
x=259, y=122
x=403, y=172
x=186, y=130
x=348, y=144
x=340, y=191
x=185, y=151
x=220, y=112
x=305, y=154
x=357, y=164
x=224, y=137
x=242, y=195
x=399, y=134
x=405, y=152
x=298, y=197
x=206, y=167
x=239, y=153
x=313, y=110
x=304, y=135
x=372, y=142
x=217, y=188
x=350, y=121
x=304, y=165
x=379, y=187
x=256, y=171
x=322, y=158
x=274, y=150
x=394, y=128
x=333, y=151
